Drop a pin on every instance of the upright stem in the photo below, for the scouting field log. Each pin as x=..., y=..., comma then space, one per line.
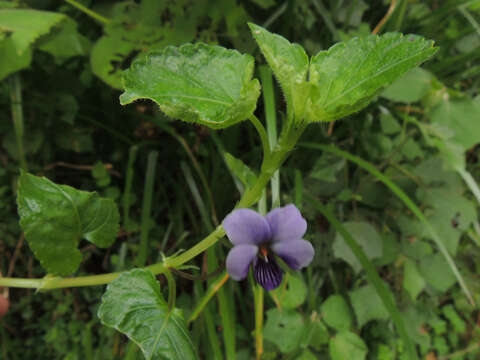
x=285, y=145
x=263, y=135
x=89, y=12
x=258, y=299
x=17, y=117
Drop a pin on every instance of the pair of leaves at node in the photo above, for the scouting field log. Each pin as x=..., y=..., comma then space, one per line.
x=213, y=86
x=55, y=217
x=21, y=28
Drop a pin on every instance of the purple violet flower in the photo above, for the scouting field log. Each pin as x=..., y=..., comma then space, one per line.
x=257, y=238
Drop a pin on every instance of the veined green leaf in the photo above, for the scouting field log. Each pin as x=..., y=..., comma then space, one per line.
x=198, y=83
x=347, y=345
x=65, y=43
x=285, y=329
x=10, y=61
x=336, y=313
x=368, y=305
x=27, y=25
x=348, y=75
x=462, y=118
x=408, y=202
x=107, y=51
x=289, y=63
x=55, y=218
x=134, y=305
x=342, y=79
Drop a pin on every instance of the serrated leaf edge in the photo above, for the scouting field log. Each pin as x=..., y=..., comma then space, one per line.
x=61, y=18
x=248, y=82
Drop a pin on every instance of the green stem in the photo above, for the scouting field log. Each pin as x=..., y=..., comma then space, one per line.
x=285, y=145
x=263, y=136
x=17, y=116
x=172, y=290
x=258, y=299
x=89, y=12
x=287, y=141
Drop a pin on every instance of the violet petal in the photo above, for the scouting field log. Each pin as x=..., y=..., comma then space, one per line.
x=239, y=259
x=245, y=226
x=267, y=274
x=286, y=223
x=296, y=253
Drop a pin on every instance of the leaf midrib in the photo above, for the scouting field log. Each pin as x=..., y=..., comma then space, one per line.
x=201, y=98
x=75, y=210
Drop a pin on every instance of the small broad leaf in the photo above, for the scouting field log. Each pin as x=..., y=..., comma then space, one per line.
x=411, y=87
x=293, y=294
x=11, y=61
x=413, y=282
x=462, y=117
x=289, y=63
x=451, y=213
x=451, y=314
x=27, y=25
x=347, y=345
x=198, y=83
x=435, y=271
x=107, y=52
x=350, y=74
x=318, y=334
x=367, y=305
x=134, y=305
x=65, y=43
x=343, y=79
x=285, y=329
x=367, y=238
x=336, y=313
x=55, y=217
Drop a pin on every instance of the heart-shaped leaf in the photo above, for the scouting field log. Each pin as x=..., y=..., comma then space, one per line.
x=198, y=83
x=348, y=75
x=289, y=63
x=134, y=305
x=55, y=217
x=26, y=25
x=342, y=79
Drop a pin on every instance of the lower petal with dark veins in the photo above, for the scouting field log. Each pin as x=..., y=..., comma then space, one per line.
x=267, y=273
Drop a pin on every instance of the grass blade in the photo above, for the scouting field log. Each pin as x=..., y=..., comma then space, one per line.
x=372, y=276
x=147, y=207
x=212, y=290
x=17, y=117
x=132, y=154
x=406, y=200
x=228, y=321
x=471, y=183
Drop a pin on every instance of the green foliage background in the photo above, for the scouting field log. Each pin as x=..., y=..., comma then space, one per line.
x=423, y=133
